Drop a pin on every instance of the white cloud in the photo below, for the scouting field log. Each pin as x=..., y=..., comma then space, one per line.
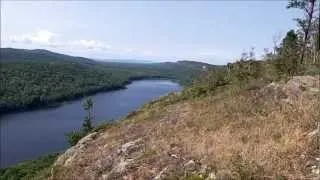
x=90, y=44
x=42, y=37
x=47, y=38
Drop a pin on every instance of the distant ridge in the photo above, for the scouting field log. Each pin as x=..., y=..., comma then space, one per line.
x=126, y=61
x=43, y=55
x=19, y=55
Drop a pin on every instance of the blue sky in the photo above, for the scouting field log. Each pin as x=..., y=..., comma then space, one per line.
x=210, y=31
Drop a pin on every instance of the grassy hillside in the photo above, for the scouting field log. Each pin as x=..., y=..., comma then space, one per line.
x=266, y=132
x=245, y=121
x=34, y=78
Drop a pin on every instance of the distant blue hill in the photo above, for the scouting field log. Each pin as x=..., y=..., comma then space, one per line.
x=126, y=61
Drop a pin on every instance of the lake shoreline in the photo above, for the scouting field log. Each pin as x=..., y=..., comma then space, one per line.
x=60, y=102
x=42, y=162
x=43, y=132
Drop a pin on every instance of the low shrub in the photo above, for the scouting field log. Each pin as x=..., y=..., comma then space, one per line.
x=33, y=169
x=75, y=136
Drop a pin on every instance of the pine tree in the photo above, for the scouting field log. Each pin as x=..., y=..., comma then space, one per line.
x=308, y=6
x=287, y=62
x=87, y=106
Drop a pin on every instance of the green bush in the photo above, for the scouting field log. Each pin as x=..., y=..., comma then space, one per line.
x=104, y=125
x=34, y=169
x=75, y=136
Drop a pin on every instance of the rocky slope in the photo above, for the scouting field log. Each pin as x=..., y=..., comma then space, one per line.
x=264, y=133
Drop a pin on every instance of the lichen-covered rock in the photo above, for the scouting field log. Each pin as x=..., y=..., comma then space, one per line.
x=190, y=165
x=129, y=147
x=160, y=175
x=71, y=153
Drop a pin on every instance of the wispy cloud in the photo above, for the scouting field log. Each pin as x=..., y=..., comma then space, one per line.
x=42, y=37
x=47, y=38
x=90, y=44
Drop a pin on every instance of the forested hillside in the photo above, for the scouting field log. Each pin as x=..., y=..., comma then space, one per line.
x=34, y=78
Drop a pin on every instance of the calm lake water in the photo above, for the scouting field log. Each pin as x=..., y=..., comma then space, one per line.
x=28, y=135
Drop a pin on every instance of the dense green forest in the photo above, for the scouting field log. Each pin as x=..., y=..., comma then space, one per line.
x=34, y=78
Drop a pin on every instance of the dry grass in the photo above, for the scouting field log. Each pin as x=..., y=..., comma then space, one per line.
x=252, y=135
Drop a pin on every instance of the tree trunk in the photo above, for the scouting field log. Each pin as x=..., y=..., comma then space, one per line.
x=306, y=33
x=316, y=60
x=318, y=48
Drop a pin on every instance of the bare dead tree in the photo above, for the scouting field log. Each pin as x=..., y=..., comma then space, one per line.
x=276, y=40
x=308, y=6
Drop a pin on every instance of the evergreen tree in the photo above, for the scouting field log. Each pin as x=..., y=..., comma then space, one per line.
x=87, y=106
x=287, y=63
x=308, y=6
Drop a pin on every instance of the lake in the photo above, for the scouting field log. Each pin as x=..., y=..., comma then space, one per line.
x=28, y=135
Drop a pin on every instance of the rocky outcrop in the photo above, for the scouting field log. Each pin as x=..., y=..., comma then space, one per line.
x=73, y=151
x=269, y=132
